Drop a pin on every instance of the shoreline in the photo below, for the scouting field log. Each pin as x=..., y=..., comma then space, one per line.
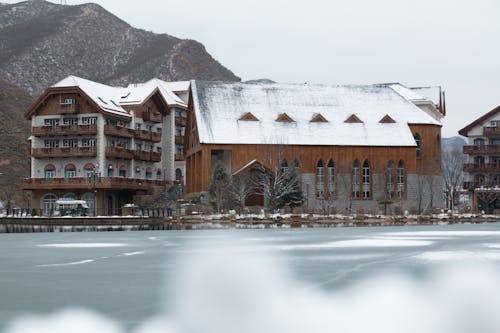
x=132, y=223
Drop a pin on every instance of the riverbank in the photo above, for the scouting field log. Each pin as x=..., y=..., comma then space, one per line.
x=132, y=223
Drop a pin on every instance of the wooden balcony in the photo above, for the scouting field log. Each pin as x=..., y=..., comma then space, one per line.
x=153, y=117
x=179, y=157
x=156, y=136
x=486, y=167
x=119, y=131
x=180, y=121
x=155, y=157
x=119, y=152
x=64, y=152
x=63, y=130
x=142, y=155
x=69, y=108
x=88, y=183
x=491, y=131
x=179, y=140
x=481, y=185
x=482, y=149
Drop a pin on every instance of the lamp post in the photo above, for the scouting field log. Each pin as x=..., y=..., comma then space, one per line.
x=95, y=175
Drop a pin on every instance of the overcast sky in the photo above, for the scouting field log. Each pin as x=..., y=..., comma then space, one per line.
x=452, y=43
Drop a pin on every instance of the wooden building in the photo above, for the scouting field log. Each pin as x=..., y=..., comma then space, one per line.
x=105, y=145
x=483, y=165
x=371, y=148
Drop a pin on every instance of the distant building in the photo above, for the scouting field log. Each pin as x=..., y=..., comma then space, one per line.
x=357, y=147
x=105, y=145
x=483, y=166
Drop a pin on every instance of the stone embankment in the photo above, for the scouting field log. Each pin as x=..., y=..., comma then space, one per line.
x=80, y=224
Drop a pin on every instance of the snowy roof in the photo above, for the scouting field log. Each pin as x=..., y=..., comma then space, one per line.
x=431, y=93
x=166, y=89
x=218, y=106
x=407, y=93
x=112, y=99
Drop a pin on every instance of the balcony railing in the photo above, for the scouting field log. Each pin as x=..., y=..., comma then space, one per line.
x=179, y=157
x=119, y=131
x=491, y=131
x=180, y=121
x=179, y=140
x=156, y=136
x=64, y=130
x=481, y=185
x=151, y=116
x=64, y=152
x=69, y=108
x=155, y=157
x=486, y=167
x=482, y=149
x=88, y=183
x=142, y=155
x=119, y=152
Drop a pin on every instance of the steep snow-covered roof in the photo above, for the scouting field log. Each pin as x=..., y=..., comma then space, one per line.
x=407, y=93
x=218, y=106
x=112, y=99
x=166, y=89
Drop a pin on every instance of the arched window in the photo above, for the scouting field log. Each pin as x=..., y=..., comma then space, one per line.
x=123, y=171
x=90, y=200
x=89, y=169
x=284, y=166
x=355, y=179
x=149, y=173
x=70, y=171
x=401, y=179
x=50, y=171
x=178, y=175
x=48, y=204
x=320, y=182
x=418, y=141
x=390, y=180
x=366, y=179
x=296, y=164
x=331, y=178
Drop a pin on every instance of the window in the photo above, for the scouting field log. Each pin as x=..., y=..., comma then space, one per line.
x=137, y=126
x=479, y=142
x=138, y=146
x=89, y=120
x=48, y=204
x=355, y=179
x=70, y=143
x=51, y=143
x=366, y=179
x=418, y=141
x=51, y=122
x=69, y=101
x=123, y=171
x=401, y=179
x=390, y=180
x=110, y=170
x=149, y=173
x=331, y=179
x=70, y=171
x=479, y=160
x=89, y=169
x=284, y=167
x=158, y=174
x=88, y=142
x=178, y=175
x=70, y=121
x=50, y=171
x=495, y=123
x=320, y=179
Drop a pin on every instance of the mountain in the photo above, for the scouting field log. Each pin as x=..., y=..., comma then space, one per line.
x=14, y=150
x=453, y=143
x=43, y=42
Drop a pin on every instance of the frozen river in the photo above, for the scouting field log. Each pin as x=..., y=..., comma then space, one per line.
x=131, y=276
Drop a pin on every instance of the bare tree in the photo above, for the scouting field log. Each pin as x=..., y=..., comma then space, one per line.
x=242, y=187
x=344, y=190
x=453, y=175
x=219, y=188
x=487, y=198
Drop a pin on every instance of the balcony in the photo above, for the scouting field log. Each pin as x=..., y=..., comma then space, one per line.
x=69, y=108
x=119, y=152
x=155, y=157
x=64, y=130
x=64, y=152
x=179, y=157
x=481, y=185
x=486, y=167
x=88, y=183
x=151, y=116
x=491, y=131
x=119, y=131
x=156, y=136
x=179, y=140
x=180, y=121
x=482, y=149
x=142, y=155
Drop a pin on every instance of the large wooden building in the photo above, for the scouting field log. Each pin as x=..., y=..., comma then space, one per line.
x=105, y=145
x=357, y=147
x=483, y=165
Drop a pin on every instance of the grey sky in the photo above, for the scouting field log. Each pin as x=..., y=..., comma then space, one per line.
x=452, y=43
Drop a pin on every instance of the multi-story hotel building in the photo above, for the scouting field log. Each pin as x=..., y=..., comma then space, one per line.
x=105, y=145
x=483, y=165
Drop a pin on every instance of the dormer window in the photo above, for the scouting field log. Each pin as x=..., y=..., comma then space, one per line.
x=318, y=118
x=248, y=117
x=285, y=118
x=353, y=119
x=387, y=120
